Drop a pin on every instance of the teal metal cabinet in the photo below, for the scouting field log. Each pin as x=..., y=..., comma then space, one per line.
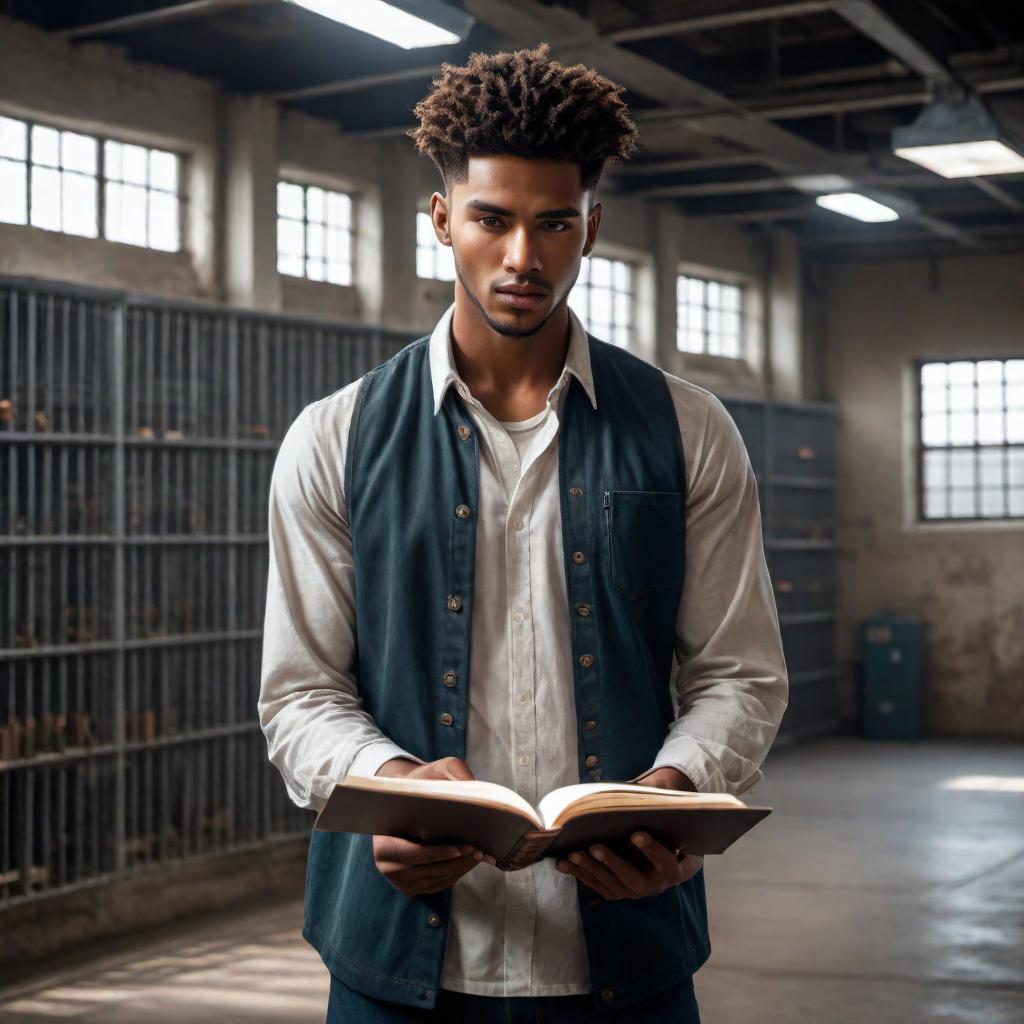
x=893, y=690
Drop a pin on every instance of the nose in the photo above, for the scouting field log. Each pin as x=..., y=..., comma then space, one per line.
x=521, y=256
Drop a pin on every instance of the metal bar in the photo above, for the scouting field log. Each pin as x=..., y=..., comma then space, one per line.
x=158, y=18
x=346, y=85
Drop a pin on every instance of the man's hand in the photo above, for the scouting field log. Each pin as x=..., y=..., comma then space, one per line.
x=616, y=879
x=416, y=868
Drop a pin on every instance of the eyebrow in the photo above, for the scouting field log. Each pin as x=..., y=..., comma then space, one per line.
x=479, y=204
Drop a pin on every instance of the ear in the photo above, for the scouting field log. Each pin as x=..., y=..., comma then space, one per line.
x=593, y=226
x=439, y=215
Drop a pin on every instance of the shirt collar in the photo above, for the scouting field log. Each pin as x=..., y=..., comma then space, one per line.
x=442, y=361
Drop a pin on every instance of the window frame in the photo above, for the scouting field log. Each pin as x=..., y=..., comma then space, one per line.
x=286, y=178
x=920, y=450
x=631, y=326
x=707, y=277
x=101, y=140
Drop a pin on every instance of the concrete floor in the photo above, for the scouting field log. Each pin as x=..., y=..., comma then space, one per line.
x=871, y=895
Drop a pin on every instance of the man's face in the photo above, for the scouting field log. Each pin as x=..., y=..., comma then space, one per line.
x=518, y=228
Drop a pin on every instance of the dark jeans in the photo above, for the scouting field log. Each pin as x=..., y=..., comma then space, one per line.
x=677, y=1005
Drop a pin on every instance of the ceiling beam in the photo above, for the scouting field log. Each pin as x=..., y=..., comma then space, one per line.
x=158, y=18
x=343, y=85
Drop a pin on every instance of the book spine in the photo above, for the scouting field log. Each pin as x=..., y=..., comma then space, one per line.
x=529, y=847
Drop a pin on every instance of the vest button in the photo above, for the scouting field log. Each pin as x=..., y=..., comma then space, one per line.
x=433, y=920
x=462, y=511
x=596, y=774
x=575, y=491
x=589, y=724
x=446, y=719
x=607, y=994
x=578, y=557
x=583, y=610
x=464, y=432
x=586, y=660
x=448, y=679
x=455, y=604
x=591, y=760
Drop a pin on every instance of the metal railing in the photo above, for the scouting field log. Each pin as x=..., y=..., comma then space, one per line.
x=137, y=439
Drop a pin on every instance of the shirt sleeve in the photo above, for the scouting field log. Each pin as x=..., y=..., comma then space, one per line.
x=310, y=709
x=732, y=685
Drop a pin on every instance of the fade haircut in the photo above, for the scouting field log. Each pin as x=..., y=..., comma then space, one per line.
x=523, y=104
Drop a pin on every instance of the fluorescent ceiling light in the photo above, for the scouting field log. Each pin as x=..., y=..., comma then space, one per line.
x=957, y=139
x=853, y=204
x=965, y=159
x=410, y=24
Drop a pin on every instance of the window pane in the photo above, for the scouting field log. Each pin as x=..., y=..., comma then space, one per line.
x=112, y=163
x=933, y=399
x=315, y=241
x=990, y=371
x=1015, y=427
x=933, y=375
x=291, y=265
x=600, y=272
x=290, y=200
x=338, y=248
x=1015, y=467
x=78, y=152
x=962, y=469
x=1015, y=370
x=962, y=428
x=962, y=503
x=290, y=237
x=424, y=263
x=13, y=198
x=46, y=198
x=45, y=146
x=13, y=138
x=992, y=503
x=621, y=276
x=445, y=263
x=935, y=475
x=961, y=373
x=163, y=170
x=339, y=210
x=622, y=304
x=163, y=221
x=622, y=336
x=125, y=214
x=315, y=204
x=600, y=305
x=134, y=160
x=339, y=272
x=695, y=290
x=315, y=270
x=936, y=505
x=714, y=292
x=1015, y=506
x=425, y=230
x=79, y=198
x=731, y=345
x=991, y=427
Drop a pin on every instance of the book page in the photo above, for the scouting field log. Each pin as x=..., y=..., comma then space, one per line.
x=470, y=790
x=558, y=800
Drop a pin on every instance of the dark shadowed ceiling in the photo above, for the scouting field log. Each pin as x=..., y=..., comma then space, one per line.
x=734, y=99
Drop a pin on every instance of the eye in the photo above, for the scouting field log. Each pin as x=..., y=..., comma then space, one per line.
x=560, y=224
x=489, y=217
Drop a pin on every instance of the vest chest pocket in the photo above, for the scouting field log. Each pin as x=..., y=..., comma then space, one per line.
x=645, y=540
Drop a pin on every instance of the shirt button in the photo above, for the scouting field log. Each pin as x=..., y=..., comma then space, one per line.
x=517, y=524
x=455, y=604
x=433, y=920
x=586, y=660
x=464, y=432
x=589, y=724
x=578, y=557
x=575, y=491
x=446, y=719
x=524, y=696
x=448, y=679
x=462, y=511
x=518, y=616
x=591, y=760
x=524, y=759
x=583, y=610
x=607, y=994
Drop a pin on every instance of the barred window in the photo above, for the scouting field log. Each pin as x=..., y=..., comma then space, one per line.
x=433, y=260
x=314, y=233
x=603, y=298
x=709, y=316
x=972, y=439
x=51, y=179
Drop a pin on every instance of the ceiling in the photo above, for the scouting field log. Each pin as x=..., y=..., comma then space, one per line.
x=734, y=98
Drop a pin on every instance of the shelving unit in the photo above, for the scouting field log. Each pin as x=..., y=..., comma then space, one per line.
x=135, y=461
x=792, y=450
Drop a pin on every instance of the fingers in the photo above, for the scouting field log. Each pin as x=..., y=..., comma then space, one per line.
x=405, y=852
x=456, y=768
x=660, y=856
x=581, y=867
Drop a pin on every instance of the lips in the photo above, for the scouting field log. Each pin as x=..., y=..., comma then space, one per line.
x=521, y=290
x=521, y=299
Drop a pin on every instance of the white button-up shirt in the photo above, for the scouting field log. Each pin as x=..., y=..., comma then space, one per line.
x=518, y=933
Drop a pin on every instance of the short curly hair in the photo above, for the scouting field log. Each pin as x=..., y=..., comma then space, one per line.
x=523, y=103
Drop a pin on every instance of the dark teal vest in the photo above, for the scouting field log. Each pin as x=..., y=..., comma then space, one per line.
x=623, y=501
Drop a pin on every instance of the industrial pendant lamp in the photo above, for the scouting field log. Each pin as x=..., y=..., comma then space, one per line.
x=410, y=24
x=956, y=136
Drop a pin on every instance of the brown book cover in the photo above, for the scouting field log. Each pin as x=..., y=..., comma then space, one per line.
x=504, y=825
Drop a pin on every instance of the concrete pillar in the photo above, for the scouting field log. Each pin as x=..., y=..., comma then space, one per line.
x=250, y=203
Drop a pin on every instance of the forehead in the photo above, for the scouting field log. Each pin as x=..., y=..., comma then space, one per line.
x=521, y=182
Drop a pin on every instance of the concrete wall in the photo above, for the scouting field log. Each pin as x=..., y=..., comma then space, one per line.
x=235, y=149
x=965, y=580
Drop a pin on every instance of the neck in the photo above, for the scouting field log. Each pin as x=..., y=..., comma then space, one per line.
x=509, y=376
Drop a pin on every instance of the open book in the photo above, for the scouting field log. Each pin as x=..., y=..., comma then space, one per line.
x=503, y=824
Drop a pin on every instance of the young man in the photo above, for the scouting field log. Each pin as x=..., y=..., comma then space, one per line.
x=484, y=555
